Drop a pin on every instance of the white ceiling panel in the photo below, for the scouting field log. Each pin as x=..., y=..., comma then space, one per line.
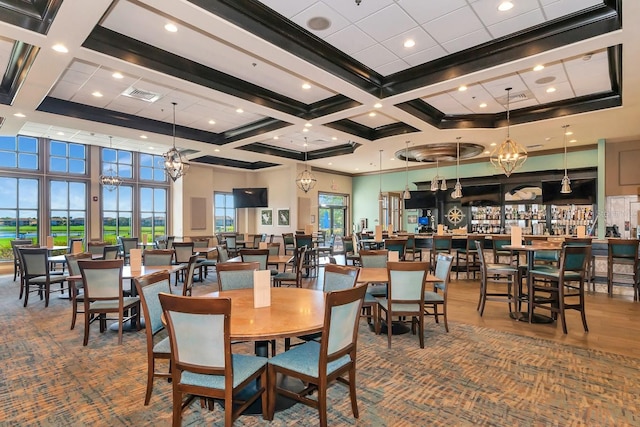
x=488, y=12
x=426, y=55
x=509, y=26
x=453, y=25
x=288, y=8
x=377, y=24
x=375, y=56
x=556, y=9
x=467, y=41
x=424, y=11
x=355, y=12
x=422, y=40
x=351, y=39
x=320, y=9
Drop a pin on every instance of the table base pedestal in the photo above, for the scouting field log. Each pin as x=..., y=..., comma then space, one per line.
x=128, y=326
x=397, y=328
x=523, y=316
x=282, y=402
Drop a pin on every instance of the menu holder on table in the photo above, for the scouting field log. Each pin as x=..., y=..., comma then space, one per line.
x=516, y=236
x=394, y=256
x=135, y=259
x=263, y=245
x=440, y=230
x=581, y=231
x=76, y=247
x=378, y=236
x=144, y=238
x=308, y=229
x=49, y=242
x=261, y=288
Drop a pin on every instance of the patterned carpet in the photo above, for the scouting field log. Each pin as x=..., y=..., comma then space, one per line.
x=470, y=376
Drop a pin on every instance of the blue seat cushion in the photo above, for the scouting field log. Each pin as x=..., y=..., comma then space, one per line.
x=555, y=274
x=430, y=296
x=305, y=359
x=243, y=367
x=162, y=347
x=285, y=276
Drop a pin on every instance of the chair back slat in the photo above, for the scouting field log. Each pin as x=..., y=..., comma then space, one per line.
x=155, y=257
x=183, y=251
x=102, y=279
x=34, y=261
x=110, y=252
x=261, y=256
x=223, y=255
x=374, y=258
x=149, y=287
x=236, y=275
x=342, y=312
x=72, y=262
x=339, y=277
x=443, y=271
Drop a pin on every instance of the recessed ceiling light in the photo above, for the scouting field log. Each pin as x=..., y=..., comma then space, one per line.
x=377, y=105
x=551, y=90
x=217, y=150
x=97, y=94
x=212, y=122
x=60, y=48
x=305, y=145
x=171, y=27
x=151, y=148
x=573, y=140
x=538, y=67
x=308, y=125
x=483, y=105
x=505, y=5
x=462, y=88
x=548, y=138
x=372, y=114
x=117, y=75
x=493, y=144
x=305, y=130
x=329, y=163
x=568, y=133
x=19, y=115
x=239, y=110
x=60, y=133
x=487, y=152
x=357, y=169
x=275, y=137
x=334, y=138
x=143, y=136
x=409, y=43
x=306, y=86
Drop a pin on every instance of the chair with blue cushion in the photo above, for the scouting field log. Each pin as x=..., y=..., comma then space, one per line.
x=293, y=277
x=157, y=257
x=624, y=254
x=396, y=245
x=236, y=275
x=126, y=244
x=317, y=364
x=77, y=299
x=501, y=290
x=561, y=289
x=405, y=297
x=470, y=256
x=36, y=276
x=411, y=249
x=158, y=347
x=202, y=363
x=441, y=245
x=261, y=256
x=435, y=302
x=376, y=258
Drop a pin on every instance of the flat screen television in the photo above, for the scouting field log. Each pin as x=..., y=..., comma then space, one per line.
x=481, y=195
x=250, y=197
x=423, y=220
x=583, y=192
x=421, y=199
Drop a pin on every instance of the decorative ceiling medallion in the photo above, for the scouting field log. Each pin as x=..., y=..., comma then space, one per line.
x=444, y=152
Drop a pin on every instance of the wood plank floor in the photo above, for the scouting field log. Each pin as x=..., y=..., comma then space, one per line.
x=614, y=322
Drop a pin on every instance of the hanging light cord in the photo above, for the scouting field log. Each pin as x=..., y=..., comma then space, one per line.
x=508, y=115
x=564, y=140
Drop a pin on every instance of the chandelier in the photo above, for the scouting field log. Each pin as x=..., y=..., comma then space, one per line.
x=175, y=164
x=407, y=194
x=438, y=180
x=566, y=182
x=109, y=178
x=305, y=179
x=457, y=189
x=508, y=156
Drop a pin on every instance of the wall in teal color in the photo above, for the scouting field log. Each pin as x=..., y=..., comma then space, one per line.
x=367, y=188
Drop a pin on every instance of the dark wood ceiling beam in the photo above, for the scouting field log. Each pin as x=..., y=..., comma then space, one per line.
x=232, y=163
x=20, y=61
x=252, y=129
x=337, y=150
x=33, y=15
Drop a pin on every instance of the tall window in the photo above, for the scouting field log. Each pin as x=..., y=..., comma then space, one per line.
x=117, y=213
x=19, y=152
x=120, y=161
x=67, y=157
x=391, y=211
x=18, y=212
x=152, y=168
x=224, y=212
x=153, y=212
x=68, y=211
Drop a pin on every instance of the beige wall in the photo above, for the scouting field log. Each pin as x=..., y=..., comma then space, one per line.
x=621, y=168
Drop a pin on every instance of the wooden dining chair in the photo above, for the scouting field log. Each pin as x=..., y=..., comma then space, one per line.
x=126, y=244
x=405, y=297
x=396, y=245
x=318, y=364
x=293, y=277
x=502, y=290
x=468, y=254
x=435, y=301
x=36, y=275
x=156, y=257
x=623, y=253
x=103, y=295
x=77, y=298
x=236, y=275
x=16, y=256
x=206, y=366
x=440, y=245
x=149, y=288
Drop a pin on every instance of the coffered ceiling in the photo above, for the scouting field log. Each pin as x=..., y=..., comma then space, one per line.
x=261, y=84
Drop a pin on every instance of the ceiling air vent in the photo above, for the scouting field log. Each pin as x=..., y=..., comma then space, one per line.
x=516, y=97
x=141, y=94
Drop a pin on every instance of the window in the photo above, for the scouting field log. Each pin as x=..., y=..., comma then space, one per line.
x=19, y=152
x=117, y=213
x=120, y=161
x=391, y=211
x=153, y=212
x=152, y=168
x=224, y=212
x=68, y=211
x=332, y=214
x=67, y=157
x=18, y=212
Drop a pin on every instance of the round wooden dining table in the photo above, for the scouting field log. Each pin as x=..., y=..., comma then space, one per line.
x=293, y=312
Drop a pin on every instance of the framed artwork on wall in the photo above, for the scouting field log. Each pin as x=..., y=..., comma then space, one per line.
x=283, y=218
x=266, y=216
x=412, y=219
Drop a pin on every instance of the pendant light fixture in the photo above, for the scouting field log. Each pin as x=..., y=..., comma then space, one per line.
x=175, y=164
x=109, y=178
x=305, y=179
x=406, y=195
x=566, y=182
x=457, y=189
x=380, y=177
x=438, y=182
x=508, y=156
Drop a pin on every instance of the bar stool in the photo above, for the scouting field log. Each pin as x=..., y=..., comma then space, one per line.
x=441, y=245
x=510, y=295
x=623, y=252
